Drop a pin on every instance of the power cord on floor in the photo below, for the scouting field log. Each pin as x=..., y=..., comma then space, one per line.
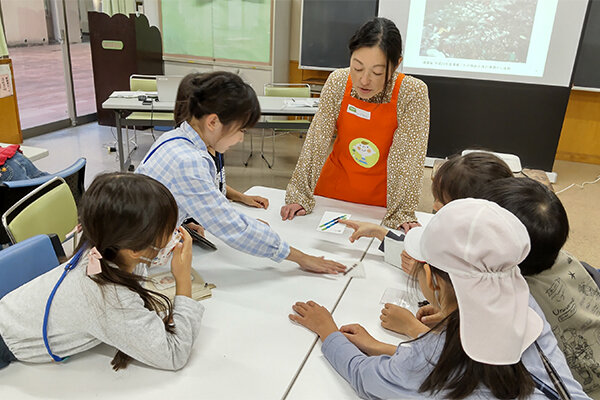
x=579, y=185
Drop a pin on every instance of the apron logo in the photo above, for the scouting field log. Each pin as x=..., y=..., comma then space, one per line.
x=358, y=112
x=364, y=152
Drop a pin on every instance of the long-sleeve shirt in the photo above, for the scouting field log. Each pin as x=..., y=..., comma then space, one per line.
x=406, y=157
x=84, y=314
x=399, y=376
x=189, y=172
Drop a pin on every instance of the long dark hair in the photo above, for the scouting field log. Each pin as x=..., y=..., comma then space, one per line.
x=542, y=213
x=383, y=33
x=458, y=374
x=127, y=211
x=224, y=94
x=463, y=176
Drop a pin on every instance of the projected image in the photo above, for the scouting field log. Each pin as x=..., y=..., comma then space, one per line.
x=495, y=30
x=505, y=37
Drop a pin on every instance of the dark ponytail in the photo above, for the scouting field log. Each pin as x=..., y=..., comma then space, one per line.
x=458, y=375
x=127, y=211
x=224, y=94
x=383, y=33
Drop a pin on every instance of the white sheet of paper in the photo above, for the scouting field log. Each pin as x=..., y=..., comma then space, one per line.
x=327, y=217
x=6, y=88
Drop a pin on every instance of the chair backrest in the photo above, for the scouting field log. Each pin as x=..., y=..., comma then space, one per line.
x=287, y=89
x=13, y=191
x=142, y=83
x=48, y=209
x=27, y=260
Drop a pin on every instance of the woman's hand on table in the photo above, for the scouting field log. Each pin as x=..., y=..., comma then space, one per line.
x=364, y=229
x=314, y=317
x=289, y=211
x=407, y=226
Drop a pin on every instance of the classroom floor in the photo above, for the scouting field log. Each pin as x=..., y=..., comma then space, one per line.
x=40, y=82
x=92, y=141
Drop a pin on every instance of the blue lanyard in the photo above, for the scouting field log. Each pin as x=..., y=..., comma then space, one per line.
x=166, y=141
x=220, y=167
x=72, y=264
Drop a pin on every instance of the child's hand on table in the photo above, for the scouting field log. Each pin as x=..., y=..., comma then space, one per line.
x=255, y=201
x=314, y=317
x=400, y=320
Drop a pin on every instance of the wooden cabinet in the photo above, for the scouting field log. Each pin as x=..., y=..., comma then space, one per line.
x=10, y=125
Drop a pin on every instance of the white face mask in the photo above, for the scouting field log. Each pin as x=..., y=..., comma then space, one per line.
x=163, y=254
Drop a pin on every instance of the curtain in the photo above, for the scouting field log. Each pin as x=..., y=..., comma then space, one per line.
x=3, y=48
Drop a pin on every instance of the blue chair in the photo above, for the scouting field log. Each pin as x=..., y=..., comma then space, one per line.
x=27, y=260
x=13, y=191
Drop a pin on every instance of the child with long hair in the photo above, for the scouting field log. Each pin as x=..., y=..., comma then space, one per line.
x=493, y=341
x=220, y=109
x=128, y=222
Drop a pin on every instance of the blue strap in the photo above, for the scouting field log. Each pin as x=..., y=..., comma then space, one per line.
x=166, y=141
x=72, y=264
x=544, y=388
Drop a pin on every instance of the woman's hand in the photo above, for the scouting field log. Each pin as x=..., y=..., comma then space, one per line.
x=314, y=317
x=289, y=211
x=408, y=263
x=255, y=201
x=181, y=265
x=402, y=321
x=429, y=315
x=364, y=229
x=407, y=226
x=366, y=343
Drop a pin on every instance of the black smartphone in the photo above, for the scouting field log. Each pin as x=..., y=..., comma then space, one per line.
x=199, y=239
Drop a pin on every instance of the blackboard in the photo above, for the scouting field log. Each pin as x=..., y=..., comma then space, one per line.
x=327, y=26
x=587, y=64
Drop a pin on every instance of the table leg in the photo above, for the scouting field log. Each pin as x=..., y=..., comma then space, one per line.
x=120, y=141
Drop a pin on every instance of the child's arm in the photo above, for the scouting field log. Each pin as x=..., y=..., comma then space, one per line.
x=365, y=229
x=252, y=201
x=372, y=377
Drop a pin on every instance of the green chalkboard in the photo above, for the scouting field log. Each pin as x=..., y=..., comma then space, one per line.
x=236, y=30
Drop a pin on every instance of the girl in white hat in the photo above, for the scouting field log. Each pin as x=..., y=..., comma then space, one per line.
x=493, y=342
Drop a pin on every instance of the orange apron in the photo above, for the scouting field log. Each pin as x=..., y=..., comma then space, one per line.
x=356, y=169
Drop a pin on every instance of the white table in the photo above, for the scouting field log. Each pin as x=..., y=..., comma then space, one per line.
x=281, y=106
x=247, y=347
x=361, y=304
x=33, y=153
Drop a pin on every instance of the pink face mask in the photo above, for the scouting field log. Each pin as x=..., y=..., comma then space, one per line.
x=163, y=254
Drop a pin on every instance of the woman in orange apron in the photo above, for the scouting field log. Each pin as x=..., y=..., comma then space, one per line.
x=382, y=122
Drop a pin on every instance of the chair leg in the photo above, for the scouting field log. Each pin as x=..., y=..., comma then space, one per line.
x=251, y=149
x=262, y=148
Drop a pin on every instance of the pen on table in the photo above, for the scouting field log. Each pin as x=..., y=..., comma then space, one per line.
x=361, y=258
x=333, y=220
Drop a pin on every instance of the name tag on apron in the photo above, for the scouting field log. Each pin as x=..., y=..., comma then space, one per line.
x=358, y=112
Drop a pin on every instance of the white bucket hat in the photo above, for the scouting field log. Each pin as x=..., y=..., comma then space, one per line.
x=479, y=244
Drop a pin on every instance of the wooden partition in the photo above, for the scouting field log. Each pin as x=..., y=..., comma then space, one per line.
x=121, y=46
x=10, y=125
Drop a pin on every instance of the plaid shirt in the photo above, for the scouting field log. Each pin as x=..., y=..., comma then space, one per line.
x=190, y=173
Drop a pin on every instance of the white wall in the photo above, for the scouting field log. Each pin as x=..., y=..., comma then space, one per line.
x=295, y=21
x=24, y=22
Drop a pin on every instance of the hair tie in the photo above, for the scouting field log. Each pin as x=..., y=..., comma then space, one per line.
x=94, y=258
